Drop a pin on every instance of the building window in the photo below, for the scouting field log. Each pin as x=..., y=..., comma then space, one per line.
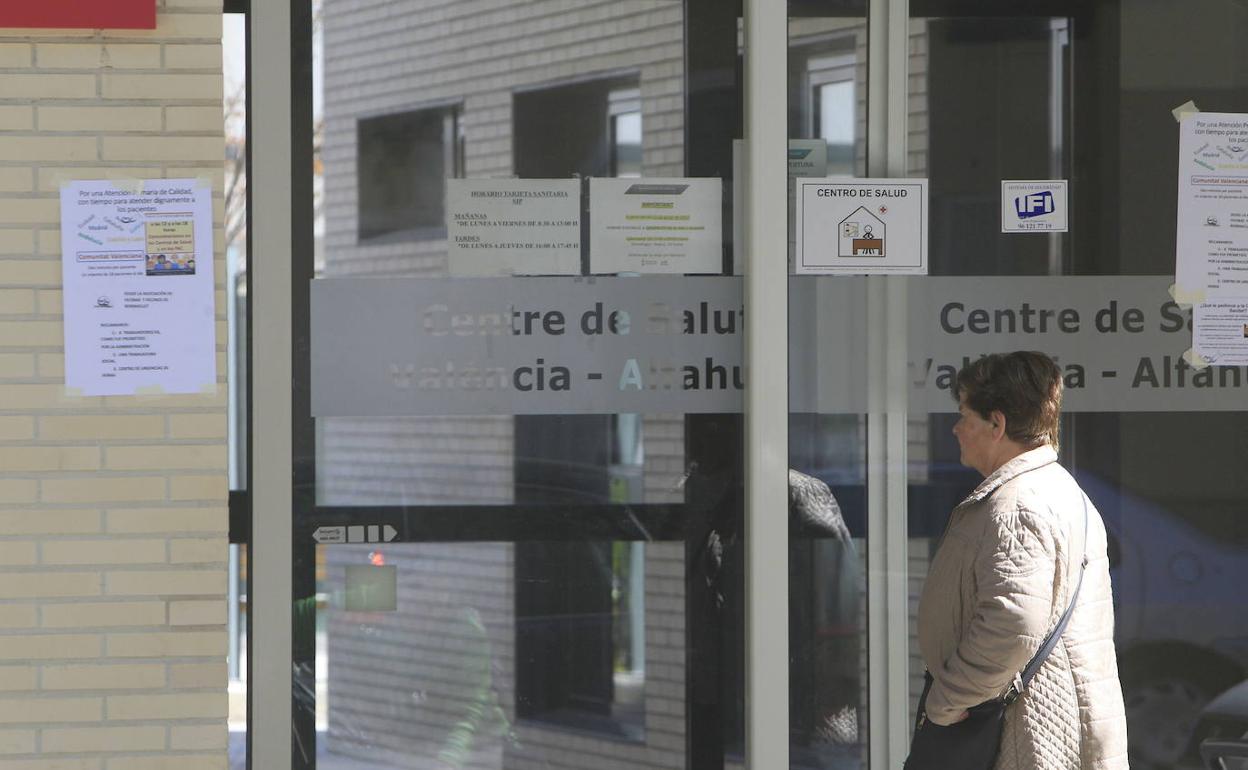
x=404, y=161
x=624, y=111
x=590, y=128
x=833, y=108
x=580, y=636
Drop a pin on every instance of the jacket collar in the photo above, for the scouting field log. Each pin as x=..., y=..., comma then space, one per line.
x=1027, y=461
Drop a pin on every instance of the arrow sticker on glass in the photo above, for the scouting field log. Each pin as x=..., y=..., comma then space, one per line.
x=355, y=533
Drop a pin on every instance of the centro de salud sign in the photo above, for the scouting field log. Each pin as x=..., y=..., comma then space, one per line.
x=79, y=14
x=674, y=345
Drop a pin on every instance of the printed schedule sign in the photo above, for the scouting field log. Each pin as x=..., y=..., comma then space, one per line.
x=655, y=226
x=137, y=269
x=513, y=226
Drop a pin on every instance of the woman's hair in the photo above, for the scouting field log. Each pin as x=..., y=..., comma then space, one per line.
x=1025, y=386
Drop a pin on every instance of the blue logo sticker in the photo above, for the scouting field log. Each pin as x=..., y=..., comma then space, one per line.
x=1034, y=204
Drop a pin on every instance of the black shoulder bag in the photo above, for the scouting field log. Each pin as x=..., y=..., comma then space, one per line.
x=973, y=743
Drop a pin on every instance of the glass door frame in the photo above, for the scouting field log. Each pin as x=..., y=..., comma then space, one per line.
x=280, y=122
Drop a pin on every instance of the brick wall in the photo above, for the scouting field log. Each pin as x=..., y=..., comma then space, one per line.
x=112, y=509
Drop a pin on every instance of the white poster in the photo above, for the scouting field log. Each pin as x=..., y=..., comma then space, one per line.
x=1220, y=332
x=513, y=226
x=1034, y=206
x=861, y=226
x=138, y=278
x=655, y=226
x=1212, y=241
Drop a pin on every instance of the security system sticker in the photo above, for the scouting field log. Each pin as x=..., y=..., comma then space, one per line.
x=1034, y=206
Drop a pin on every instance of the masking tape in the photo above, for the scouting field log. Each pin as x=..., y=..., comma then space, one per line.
x=1194, y=359
x=1184, y=110
x=208, y=389
x=203, y=182
x=149, y=390
x=71, y=392
x=1183, y=296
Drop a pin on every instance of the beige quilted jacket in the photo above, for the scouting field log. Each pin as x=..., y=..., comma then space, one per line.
x=1002, y=576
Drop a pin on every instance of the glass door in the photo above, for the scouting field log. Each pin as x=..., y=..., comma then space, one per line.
x=1084, y=94
x=518, y=436
x=992, y=105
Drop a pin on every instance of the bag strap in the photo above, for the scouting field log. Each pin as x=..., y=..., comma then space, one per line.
x=1022, y=680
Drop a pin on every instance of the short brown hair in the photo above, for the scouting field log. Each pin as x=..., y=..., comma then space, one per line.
x=1025, y=386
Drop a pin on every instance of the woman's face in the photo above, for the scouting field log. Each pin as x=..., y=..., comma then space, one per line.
x=975, y=438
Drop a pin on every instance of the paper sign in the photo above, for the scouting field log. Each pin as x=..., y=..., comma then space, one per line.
x=138, y=277
x=1212, y=228
x=1220, y=332
x=513, y=226
x=861, y=226
x=1037, y=206
x=655, y=226
x=808, y=157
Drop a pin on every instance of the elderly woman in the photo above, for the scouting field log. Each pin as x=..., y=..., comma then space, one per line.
x=1005, y=573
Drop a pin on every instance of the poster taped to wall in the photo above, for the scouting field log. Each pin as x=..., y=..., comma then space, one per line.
x=499, y=227
x=655, y=226
x=137, y=268
x=861, y=226
x=1212, y=228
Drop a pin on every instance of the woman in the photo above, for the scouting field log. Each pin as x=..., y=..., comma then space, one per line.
x=1005, y=572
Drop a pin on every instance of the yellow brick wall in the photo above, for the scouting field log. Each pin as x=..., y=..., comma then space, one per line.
x=112, y=509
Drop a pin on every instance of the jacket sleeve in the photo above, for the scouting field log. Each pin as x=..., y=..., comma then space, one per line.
x=1015, y=567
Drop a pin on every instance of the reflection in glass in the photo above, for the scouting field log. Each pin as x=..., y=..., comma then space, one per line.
x=233, y=55
x=559, y=652
x=495, y=652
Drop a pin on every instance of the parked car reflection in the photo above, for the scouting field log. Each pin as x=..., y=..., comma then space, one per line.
x=1181, y=635
x=1221, y=729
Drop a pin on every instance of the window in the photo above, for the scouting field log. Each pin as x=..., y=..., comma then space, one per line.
x=580, y=635
x=591, y=129
x=624, y=108
x=832, y=108
x=580, y=606
x=404, y=160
